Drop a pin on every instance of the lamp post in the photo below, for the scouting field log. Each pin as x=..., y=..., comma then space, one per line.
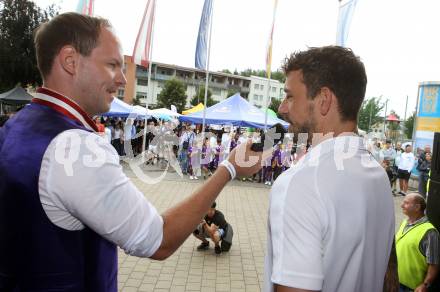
x=385, y=118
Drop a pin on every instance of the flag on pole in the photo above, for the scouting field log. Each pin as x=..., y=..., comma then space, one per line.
x=346, y=10
x=269, y=45
x=142, y=46
x=85, y=7
x=202, y=38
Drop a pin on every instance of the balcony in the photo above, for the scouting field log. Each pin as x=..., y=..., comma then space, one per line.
x=162, y=77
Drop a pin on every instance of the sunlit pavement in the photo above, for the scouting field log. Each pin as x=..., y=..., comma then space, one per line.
x=245, y=206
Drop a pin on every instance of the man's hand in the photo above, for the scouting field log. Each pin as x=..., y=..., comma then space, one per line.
x=246, y=161
x=421, y=288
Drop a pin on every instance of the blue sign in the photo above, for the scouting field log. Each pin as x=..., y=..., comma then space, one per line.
x=429, y=101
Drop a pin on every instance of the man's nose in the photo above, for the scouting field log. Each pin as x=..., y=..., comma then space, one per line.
x=282, y=109
x=120, y=79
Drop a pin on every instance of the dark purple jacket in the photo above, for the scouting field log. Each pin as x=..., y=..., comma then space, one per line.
x=35, y=254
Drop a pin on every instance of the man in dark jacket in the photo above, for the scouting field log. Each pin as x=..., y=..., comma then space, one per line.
x=213, y=226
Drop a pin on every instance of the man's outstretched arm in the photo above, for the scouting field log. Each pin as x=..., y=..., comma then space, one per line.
x=181, y=220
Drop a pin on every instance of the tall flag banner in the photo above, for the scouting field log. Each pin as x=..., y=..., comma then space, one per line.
x=142, y=46
x=85, y=7
x=202, y=38
x=346, y=10
x=269, y=45
x=269, y=61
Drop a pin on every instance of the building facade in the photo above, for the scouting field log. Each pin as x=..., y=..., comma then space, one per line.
x=222, y=85
x=259, y=93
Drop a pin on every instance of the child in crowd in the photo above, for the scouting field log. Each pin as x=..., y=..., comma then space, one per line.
x=193, y=160
x=206, y=158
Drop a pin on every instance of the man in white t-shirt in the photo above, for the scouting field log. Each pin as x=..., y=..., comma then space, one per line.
x=406, y=164
x=331, y=216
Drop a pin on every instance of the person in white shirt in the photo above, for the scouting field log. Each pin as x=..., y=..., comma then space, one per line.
x=331, y=216
x=406, y=164
x=108, y=132
x=226, y=141
x=75, y=190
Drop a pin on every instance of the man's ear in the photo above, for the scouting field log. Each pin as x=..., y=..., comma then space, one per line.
x=326, y=100
x=68, y=59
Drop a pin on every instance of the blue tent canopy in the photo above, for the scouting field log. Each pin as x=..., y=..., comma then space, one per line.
x=118, y=108
x=234, y=110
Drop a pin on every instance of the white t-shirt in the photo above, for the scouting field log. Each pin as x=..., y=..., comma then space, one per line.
x=407, y=161
x=226, y=141
x=118, y=134
x=331, y=221
x=81, y=183
x=108, y=135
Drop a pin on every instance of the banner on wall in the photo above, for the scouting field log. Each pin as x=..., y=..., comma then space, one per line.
x=428, y=114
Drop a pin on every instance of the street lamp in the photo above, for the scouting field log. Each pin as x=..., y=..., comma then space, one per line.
x=385, y=117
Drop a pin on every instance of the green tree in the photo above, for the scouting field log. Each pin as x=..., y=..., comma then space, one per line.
x=409, y=125
x=369, y=113
x=226, y=71
x=18, y=19
x=173, y=93
x=275, y=104
x=278, y=75
x=231, y=92
x=275, y=75
x=200, y=97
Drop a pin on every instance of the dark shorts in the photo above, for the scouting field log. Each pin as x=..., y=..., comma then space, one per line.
x=403, y=174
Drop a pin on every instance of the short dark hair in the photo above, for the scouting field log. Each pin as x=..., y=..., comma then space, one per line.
x=336, y=68
x=214, y=205
x=80, y=31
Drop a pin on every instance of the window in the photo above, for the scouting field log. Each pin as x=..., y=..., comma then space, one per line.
x=261, y=98
x=261, y=87
x=256, y=86
x=255, y=97
x=141, y=95
x=143, y=82
x=274, y=89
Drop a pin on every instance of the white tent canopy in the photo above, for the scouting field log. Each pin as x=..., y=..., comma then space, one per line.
x=164, y=111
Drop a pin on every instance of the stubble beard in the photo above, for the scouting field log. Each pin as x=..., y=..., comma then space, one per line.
x=306, y=128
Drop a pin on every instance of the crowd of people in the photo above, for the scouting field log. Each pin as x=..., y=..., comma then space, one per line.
x=200, y=156
x=400, y=162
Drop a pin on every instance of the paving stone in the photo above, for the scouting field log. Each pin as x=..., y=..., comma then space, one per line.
x=163, y=284
x=241, y=269
x=133, y=282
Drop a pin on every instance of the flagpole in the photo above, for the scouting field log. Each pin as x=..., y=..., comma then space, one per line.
x=207, y=72
x=416, y=114
x=268, y=101
x=268, y=64
x=338, y=43
x=150, y=88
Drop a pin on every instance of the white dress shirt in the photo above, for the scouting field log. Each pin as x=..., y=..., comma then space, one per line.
x=81, y=183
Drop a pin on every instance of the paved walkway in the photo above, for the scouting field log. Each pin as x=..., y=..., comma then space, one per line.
x=245, y=206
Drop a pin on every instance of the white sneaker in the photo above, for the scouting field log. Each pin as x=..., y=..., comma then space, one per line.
x=191, y=177
x=196, y=178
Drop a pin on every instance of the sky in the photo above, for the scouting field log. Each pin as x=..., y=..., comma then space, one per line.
x=398, y=40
